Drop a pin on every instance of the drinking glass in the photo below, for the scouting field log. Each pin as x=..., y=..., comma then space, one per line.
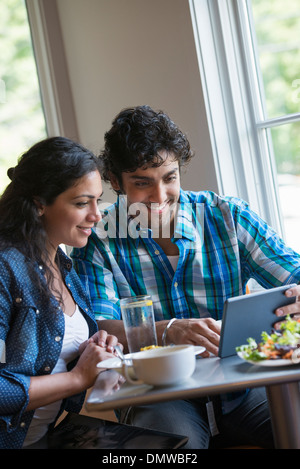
x=139, y=323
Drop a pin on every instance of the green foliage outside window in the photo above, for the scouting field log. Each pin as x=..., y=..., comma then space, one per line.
x=277, y=27
x=22, y=121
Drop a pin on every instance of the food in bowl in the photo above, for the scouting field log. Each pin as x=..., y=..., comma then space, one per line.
x=150, y=347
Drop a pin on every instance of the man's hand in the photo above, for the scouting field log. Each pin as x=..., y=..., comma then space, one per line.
x=292, y=308
x=205, y=332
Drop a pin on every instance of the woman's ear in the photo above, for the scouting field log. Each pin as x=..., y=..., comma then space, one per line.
x=40, y=207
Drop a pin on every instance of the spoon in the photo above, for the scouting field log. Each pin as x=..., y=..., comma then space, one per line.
x=121, y=355
x=119, y=352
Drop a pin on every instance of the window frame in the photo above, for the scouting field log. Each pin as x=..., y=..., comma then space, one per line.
x=241, y=137
x=56, y=94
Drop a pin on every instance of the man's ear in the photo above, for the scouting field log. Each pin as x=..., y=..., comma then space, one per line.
x=114, y=182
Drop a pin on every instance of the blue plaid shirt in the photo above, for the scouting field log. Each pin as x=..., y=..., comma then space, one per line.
x=222, y=244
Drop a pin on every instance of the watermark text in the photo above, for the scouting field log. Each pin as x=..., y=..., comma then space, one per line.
x=144, y=220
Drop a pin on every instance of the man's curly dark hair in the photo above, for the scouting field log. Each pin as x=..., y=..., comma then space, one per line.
x=137, y=137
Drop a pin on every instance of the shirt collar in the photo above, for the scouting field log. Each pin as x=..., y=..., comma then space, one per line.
x=65, y=261
x=185, y=226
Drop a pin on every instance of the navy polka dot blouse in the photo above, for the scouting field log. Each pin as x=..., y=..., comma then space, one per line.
x=31, y=333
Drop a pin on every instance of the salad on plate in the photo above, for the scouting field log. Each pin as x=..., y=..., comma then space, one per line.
x=282, y=344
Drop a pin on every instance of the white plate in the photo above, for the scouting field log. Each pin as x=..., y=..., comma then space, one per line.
x=199, y=349
x=112, y=363
x=115, y=363
x=268, y=363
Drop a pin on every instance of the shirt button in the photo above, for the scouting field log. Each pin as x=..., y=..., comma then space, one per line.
x=175, y=284
x=18, y=300
x=37, y=311
x=47, y=368
x=22, y=424
x=57, y=338
x=156, y=251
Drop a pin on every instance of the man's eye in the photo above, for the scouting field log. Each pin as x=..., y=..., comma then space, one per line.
x=171, y=179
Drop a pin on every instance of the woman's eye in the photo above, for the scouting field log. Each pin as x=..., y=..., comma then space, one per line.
x=81, y=204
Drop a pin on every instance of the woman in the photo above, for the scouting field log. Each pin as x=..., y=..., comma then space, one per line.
x=44, y=312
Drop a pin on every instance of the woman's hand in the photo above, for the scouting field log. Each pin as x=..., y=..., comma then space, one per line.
x=97, y=348
x=46, y=389
x=86, y=370
x=103, y=339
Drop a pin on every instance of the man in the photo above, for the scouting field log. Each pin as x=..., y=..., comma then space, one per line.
x=189, y=251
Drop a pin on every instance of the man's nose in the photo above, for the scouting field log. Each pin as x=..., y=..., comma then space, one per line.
x=158, y=194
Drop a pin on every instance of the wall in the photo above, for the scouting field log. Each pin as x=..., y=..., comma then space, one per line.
x=124, y=53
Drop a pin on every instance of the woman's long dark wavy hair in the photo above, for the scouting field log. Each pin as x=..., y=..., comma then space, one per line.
x=46, y=170
x=136, y=138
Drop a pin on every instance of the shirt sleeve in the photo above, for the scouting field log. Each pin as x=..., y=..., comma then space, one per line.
x=14, y=387
x=95, y=272
x=14, y=398
x=264, y=255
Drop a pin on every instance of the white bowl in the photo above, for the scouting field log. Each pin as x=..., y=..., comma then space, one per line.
x=162, y=366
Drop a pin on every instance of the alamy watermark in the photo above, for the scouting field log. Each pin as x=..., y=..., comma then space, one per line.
x=136, y=219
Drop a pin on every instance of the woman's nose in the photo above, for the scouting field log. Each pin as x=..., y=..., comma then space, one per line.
x=95, y=214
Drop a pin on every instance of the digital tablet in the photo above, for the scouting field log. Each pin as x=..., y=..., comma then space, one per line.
x=248, y=316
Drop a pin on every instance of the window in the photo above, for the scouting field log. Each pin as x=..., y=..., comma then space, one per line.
x=35, y=91
x=22, y=120
x=249, y=58
x=275, y=29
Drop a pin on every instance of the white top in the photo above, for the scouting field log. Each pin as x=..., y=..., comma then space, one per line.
x=173, y=261
x=76, y=332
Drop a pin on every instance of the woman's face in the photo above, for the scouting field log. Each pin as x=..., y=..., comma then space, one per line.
x=70, y=218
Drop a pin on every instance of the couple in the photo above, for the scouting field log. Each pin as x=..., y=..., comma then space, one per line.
x=53, y=199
